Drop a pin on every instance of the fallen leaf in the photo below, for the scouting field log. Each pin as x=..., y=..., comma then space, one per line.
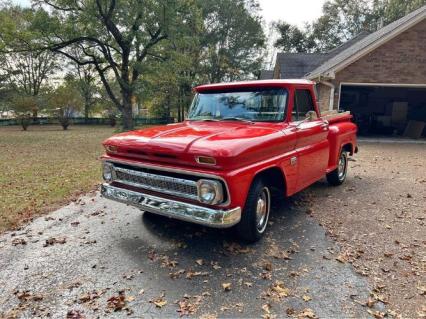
x=343, y=257
x=307, y=313
x=86, y=297
x=226, y=286
x=376, y=314
x=422, y=290
x=19, y=241
x=186, y=307
x=52, y=241
x=74, y=314
x=267, y=266
x=23, y=295
x=118, y=302
x=159, y=302
x=236, y=248
x=306, y=298
x=199, y=262
x=130, y=298
x=278, y=290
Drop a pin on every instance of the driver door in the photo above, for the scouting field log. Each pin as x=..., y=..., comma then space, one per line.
x=312, y=144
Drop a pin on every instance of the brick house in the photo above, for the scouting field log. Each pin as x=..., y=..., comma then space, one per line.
x=379, y=77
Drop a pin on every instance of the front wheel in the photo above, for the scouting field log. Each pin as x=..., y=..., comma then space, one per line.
x=255, y=215
x=338, y=176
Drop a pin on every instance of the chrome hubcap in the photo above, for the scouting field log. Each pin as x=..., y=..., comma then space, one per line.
x=341, y=169
x=262, y=209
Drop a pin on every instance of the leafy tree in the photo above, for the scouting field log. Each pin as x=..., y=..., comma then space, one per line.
x=387, y=11
x=168, y=85
x=115, y=37
x=219, y=41
x=65, y=101
x=23, y=106
x=340, y=21
x=84, y=79
x=233, y=39
x=26, y=70
x=293, y=39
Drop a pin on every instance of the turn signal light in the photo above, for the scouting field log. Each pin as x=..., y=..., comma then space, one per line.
x=207, y=160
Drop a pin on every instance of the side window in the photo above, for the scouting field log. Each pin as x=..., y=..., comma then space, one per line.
x=302, y=104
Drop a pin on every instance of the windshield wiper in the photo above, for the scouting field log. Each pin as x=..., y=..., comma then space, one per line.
x=236, y=119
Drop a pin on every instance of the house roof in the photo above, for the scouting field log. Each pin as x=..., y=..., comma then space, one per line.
x=266, y=74
x=297, y=65
x=361, y=47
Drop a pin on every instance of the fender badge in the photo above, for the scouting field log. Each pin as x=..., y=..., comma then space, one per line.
x=293, y=160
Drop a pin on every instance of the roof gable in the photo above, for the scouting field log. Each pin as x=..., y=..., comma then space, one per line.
x=358, y=49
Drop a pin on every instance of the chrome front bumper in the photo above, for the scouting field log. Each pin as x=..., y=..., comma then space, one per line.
x=179, y=210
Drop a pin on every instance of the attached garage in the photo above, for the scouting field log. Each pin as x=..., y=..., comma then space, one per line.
x=386, y=109
x=380, y=77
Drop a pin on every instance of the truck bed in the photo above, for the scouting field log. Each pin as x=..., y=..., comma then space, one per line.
x=334, y=116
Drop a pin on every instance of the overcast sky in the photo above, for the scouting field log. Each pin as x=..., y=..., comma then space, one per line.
x=293, y=11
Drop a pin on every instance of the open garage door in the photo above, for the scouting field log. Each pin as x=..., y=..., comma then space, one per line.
x=386, y=109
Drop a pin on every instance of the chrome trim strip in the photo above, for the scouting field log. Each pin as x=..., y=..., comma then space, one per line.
x=192, y=213
x=156, y=178
x=173, y=170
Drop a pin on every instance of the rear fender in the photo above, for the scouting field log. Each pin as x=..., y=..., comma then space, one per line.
x=341, y=136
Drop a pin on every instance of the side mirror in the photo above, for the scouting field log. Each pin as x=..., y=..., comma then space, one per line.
x=311, y=115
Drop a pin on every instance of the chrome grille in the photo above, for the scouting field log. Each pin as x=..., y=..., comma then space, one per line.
x=158, y=183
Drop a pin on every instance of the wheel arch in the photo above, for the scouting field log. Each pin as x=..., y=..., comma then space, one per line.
x=348, y=147
x=274, y=176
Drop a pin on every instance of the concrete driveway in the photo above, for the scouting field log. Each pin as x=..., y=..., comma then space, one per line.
x=97, y=258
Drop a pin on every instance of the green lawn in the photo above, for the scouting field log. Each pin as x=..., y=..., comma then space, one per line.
x=45, y=167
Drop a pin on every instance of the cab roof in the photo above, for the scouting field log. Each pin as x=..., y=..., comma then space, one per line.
x=250, y=84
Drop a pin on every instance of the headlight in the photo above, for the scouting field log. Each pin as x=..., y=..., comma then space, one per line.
x=209, y=192
x=107, y=172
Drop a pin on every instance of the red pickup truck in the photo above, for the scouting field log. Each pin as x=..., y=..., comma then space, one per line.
x=239, y=142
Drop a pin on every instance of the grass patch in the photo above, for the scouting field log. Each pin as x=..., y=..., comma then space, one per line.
x=45, y=167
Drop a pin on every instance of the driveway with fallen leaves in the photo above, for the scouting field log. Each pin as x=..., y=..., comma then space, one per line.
x=97, y=258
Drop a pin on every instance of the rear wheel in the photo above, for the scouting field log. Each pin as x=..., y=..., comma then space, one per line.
x=338, y=176
x=255, y=216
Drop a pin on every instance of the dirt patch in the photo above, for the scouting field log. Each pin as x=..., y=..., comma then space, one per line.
x=378, y=217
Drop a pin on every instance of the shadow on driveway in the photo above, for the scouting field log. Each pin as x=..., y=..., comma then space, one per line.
x=112, y=247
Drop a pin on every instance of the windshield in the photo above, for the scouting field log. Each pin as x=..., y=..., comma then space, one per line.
x=265, y=105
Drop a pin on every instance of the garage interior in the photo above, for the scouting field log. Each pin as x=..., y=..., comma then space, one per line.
x=386, y=110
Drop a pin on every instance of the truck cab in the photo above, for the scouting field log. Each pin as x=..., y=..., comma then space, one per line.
x=219, y=166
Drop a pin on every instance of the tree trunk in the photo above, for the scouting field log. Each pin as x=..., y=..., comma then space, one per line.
x=127, y=112
x=86, y=111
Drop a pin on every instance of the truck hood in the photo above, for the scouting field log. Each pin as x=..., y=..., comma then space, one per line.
x=180, y=143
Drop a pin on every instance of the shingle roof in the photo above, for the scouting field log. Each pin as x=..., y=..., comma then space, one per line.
x=368, y=42
x=296, y=65
x=266, y=74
